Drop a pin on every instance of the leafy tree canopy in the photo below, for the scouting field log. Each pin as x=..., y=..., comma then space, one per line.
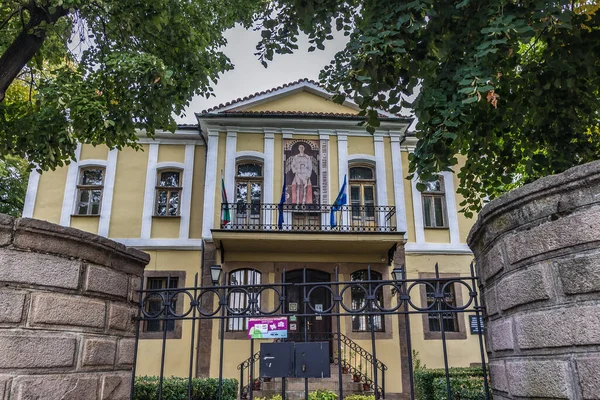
x=95, y=71
x=14, y=172
x=513, y=85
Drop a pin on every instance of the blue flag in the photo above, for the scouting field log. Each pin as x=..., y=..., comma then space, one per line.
x=340, y=200
x=280, y=206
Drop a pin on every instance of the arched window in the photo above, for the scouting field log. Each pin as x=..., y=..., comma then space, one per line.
x=238, y=301
x=168, y=192
x=362, y=195
x=361, y=323
x=248, y=192
x=434, y=204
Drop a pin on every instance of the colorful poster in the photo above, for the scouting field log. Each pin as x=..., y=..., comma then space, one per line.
x=267, y=328
x=301, y=167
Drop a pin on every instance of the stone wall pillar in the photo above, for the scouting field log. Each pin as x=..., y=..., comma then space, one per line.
x=67, y=303
x=537, y=250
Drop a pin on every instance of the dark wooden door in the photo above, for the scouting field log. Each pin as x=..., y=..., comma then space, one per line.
x=318, y=327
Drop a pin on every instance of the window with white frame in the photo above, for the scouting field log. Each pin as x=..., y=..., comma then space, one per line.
x=168, y=193
x=434, y=204
x=90, y=186
x=362, y=194
x=239, y=300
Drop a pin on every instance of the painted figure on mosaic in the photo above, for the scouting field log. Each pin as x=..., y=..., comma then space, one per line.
x=302, y=169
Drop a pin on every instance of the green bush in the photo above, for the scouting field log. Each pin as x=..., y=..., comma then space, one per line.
x=322, y=395
x=359, y=397
x=463, y=388
x=426, y=381
x=174, y=388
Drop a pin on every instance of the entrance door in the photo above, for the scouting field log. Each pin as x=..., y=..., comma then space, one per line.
x=318, y=326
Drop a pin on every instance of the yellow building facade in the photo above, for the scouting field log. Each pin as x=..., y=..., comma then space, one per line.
x=291, y=142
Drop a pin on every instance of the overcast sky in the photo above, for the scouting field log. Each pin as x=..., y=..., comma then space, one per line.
x=249, y=76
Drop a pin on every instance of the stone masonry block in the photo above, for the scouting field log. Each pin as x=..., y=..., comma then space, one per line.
x=134, y=286
x=35, y=350
x=579, y=274
x=491, y=304
x=98, y=352
x=493, y=261
x=63, y=387
x=57, y=309
x=573, y=229
x=502, y=335
x=116, y=387
x=522, y=287
x=105, y=280
x=575, y=326
x=120, y=317
x=126, y=352
x=11, y=306
x=498, y=376
x=589, y=376
x=38, y=269
x=545, y=379
x=5, y=382
x=6, y=226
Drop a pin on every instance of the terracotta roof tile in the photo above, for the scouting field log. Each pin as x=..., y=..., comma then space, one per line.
x=258, y=94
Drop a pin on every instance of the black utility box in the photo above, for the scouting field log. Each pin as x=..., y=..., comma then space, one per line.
x=276, y=360
x=312, y=360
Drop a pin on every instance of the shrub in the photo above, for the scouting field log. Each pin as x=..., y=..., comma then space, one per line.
x=359, y=397
x=463, y=388
x=424, y=381
x=174, y=388
x=322, y=395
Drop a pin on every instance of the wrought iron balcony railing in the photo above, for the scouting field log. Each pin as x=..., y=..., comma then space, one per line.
x=309, y=217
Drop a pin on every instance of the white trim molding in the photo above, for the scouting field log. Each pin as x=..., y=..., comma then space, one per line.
x=437, y=248
x=398, y=179
x=342, y=141
x=70, y=189
x=380, y=173
x=107, y=194
x=417, y=211
x=230, y=160
x=356, y=158
x=210, y=184
x=268, y=170
x=149, y=190
x=249, y=155
x=170, y=244
x=186, y=195
x=30, y=196
x=451, y=210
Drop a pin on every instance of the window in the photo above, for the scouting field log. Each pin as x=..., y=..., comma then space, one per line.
x=449, y=320
x=434, y=204
x=248, y=193
x=362, y=195
x=168, y=193
x=89, y=190
x=361, y=323
x=154, y=304
x=239, y=300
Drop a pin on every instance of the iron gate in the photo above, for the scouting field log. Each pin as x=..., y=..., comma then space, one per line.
x=404, y=293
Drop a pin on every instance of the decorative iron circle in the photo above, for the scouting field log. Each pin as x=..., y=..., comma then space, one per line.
x=173, y=295
x=424, y=283
x=457, y=307
x=199, y=300
x=277, y=301
x=350, y=310
x=244, y=293
x=332, y=303
x=382, y=307
x=147, y=298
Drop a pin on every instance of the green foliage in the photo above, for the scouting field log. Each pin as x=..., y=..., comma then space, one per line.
x=513, y=86
x=464, y=388
x=322, y=395
x=14, y=175
x=174, y=388
x=416, y=360
x=427, y=382
x=359, y=397
x=107, y=68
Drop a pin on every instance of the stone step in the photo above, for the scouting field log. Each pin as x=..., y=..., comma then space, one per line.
x=299, y=394
x=322, y=384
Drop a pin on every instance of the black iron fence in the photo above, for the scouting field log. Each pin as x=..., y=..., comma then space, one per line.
x=308, y=217
x=440, y=306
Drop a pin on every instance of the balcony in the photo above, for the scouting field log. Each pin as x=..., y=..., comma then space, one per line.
x=360, y=233
x=309, y=218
